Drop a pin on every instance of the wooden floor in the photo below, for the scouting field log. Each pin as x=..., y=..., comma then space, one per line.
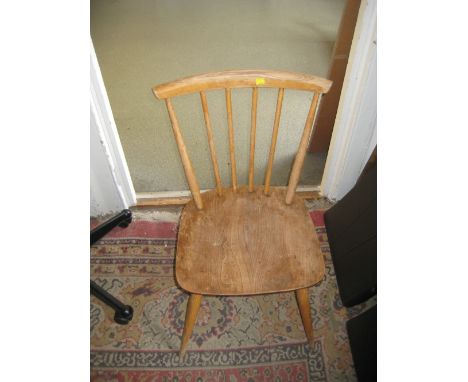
x=247, y=243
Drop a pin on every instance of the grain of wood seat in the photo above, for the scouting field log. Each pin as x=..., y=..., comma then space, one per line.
x=251, y=239
x=244, y=243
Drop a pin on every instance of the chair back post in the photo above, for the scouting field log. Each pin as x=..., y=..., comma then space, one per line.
x=227, y=81
x=301, y=151
x=190, y=174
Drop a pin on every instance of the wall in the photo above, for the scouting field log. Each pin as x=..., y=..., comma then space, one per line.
x=144, y=43
x=353, y=139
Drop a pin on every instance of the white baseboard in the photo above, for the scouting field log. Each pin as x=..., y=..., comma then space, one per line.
x=186, y=193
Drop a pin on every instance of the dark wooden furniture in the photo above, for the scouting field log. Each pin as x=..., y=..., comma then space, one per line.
x=362, y=334
x=352, y=233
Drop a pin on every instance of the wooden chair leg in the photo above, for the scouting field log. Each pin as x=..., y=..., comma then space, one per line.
x=302, y=297
x=193, y=306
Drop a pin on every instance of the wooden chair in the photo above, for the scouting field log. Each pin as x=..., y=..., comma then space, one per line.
x=245, y=240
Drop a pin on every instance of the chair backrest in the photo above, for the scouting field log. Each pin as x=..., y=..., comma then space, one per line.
x=254, y=79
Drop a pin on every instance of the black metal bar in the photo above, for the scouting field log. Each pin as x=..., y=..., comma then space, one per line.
x=123, y=313
x=123, y=219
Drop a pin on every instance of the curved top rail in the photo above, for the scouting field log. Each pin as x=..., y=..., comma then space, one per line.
x=242, y=79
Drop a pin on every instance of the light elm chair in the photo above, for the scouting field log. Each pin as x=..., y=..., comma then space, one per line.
x=245, y=240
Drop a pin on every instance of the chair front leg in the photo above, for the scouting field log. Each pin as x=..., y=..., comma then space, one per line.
x=193, y=306
x=302, y=297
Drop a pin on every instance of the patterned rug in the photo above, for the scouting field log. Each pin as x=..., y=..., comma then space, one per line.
x=235, y=339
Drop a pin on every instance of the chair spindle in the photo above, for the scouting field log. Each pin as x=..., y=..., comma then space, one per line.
x=300, y=156
x=252, y=138
x=189, y=173
x=232, y=153
x=274, y=138
x=209, y=132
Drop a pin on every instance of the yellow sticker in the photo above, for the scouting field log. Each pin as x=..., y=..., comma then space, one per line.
x=259, y=81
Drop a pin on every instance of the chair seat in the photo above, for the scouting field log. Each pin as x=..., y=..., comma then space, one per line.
x=245, y=243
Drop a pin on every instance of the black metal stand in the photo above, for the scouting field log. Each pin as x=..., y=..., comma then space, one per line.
x=123, y=219
x=123, y=313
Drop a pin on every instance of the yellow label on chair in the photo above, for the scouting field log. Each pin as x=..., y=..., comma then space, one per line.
x=259, y=81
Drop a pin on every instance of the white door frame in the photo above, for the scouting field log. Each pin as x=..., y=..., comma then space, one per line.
x=109, y=138
x=354, y=134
